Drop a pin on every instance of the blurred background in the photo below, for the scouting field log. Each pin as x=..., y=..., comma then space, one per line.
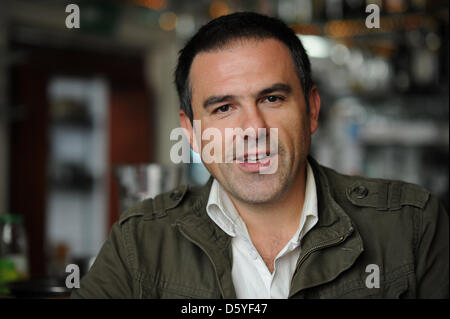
x=84, y=111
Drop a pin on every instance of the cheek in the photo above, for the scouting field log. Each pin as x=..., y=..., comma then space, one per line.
x=213, y=145
x=294, y=131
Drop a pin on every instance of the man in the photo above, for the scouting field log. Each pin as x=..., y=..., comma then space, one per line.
x=301, y=231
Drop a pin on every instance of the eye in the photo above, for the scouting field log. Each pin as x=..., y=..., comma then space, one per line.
x=222, y=109
x=273, y=99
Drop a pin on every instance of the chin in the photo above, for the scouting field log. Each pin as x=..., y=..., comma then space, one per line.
x=258, y=198
x=260, y=191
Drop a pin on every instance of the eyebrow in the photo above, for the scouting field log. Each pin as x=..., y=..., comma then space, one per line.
x=217, y=99
x=277, y=87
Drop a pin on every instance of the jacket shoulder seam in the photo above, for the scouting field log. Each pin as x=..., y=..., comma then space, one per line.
x=381, y=194
x=138, y=210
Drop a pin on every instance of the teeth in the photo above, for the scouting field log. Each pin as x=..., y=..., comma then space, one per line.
x=252, y=158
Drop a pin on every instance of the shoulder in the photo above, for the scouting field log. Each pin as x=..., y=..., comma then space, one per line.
x=377, y=193
x=168, y=206
x=156, y=208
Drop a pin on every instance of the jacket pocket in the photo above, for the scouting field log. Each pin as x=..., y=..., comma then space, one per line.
x=387, y=290
x=170, y=290
x=393, y=284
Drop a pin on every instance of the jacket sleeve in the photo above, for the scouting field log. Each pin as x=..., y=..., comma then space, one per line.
x=432, y=257
x=110, y=275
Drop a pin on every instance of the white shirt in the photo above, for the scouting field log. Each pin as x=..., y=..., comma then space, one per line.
x=251, y=277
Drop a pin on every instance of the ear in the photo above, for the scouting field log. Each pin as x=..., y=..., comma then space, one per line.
x=314, y=109
x=186, y=124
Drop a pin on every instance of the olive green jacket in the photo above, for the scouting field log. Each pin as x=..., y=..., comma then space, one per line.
x=168, y=247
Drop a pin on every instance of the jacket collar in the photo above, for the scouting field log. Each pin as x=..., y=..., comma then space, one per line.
x=333, y=228
x=197, y=227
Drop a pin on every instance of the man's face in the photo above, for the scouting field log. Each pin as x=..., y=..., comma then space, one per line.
x=252, y=84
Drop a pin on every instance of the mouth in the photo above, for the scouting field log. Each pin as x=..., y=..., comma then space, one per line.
x=252, y=163
x=252, y=158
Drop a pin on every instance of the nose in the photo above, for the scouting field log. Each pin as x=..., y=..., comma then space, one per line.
x=252, y=120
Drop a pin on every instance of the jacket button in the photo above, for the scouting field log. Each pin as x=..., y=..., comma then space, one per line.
x=360, y=192
x=175, y=195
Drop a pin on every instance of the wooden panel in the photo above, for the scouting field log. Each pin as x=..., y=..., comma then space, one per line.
x=29, y=149
x=130, y=129
x=130, y=143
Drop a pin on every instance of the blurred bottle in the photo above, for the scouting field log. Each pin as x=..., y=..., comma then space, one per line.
x=396, y=6
x=13, y=250
x=59, y=258
x=334, y=9
x=354, y=9
x=141, y=181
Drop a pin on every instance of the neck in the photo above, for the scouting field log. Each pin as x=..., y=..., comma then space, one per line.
x=282, y=215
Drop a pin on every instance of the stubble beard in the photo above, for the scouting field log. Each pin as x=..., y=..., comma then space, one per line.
x=257, y=188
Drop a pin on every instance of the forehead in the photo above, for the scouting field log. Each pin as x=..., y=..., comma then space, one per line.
x=243, y=65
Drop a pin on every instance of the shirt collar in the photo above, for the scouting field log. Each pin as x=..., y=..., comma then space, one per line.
x=310, y=214
x=221, y=209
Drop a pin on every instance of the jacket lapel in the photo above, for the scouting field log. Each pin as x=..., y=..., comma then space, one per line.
x=331, y=247
x=198, y=228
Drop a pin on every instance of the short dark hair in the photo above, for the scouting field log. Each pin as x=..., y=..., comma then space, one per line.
x=220, y=32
